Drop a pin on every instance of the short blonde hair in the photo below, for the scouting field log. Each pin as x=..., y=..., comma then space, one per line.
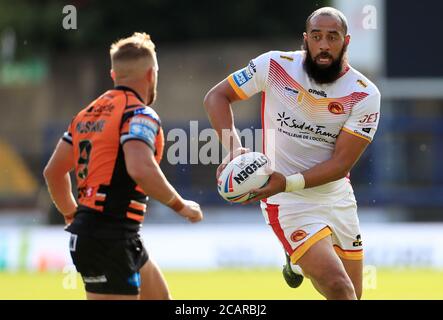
x=137, y=50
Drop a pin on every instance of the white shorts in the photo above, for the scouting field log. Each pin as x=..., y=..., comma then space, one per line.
x=298, y=226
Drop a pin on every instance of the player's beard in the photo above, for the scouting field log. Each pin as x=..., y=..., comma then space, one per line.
x=324, y=74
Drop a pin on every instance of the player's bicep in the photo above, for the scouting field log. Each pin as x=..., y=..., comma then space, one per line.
x=226, y=90
x=137, y=156
x=349, y=148
x=62, y=160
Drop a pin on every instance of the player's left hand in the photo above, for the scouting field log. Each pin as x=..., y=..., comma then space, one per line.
x=276, y=184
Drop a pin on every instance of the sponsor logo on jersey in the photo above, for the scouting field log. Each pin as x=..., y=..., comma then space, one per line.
x=90, y=126
x=318, y=92
x=305, y=129
x=282, y=119
x=97, y=279
x=146, y=122
x=141, y=111
x=250, y=169
x=134, y=279
x=251, y=67
x=362, y=83
x=291, y=92
x=107, y=108
x=358, y=132
x=148, y=112
x=73, y=242
x=142, y=131
x=83, y=192
x=242, y=76
x=287, y=58
x=369, y=118
x=336, y=108
x=89, y=192
x=357, y=242
x=298, y=235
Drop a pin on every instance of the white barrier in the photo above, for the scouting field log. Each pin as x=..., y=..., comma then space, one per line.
x=225, y=245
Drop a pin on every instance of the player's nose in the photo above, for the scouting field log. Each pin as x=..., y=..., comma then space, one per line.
x=324, y=45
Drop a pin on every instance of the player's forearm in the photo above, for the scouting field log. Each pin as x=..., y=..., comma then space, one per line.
x=218, y=108
x=59, y=188
x=154, y=183
x=325, y=172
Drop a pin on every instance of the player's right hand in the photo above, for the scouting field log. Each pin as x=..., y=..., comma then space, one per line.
x=191, y=211
x=229, y=158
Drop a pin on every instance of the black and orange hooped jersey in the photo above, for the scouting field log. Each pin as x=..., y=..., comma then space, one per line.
x=97, y=134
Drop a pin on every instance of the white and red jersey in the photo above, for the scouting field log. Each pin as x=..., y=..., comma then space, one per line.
x=302, y=119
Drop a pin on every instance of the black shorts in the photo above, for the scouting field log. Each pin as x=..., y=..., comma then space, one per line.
x=109, y=266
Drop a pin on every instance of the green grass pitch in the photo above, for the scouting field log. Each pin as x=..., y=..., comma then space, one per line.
x=231, y=284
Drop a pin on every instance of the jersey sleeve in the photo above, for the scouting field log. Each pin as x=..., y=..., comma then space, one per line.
x=251, y=79
x=144, y=125
x=364, y=118
x=67, y=136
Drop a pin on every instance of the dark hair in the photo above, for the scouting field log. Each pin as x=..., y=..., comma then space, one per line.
x=329, y=11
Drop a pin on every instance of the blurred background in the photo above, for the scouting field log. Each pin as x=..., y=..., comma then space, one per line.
x=54, y=60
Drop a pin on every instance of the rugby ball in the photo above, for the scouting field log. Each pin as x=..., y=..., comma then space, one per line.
x=244, y=173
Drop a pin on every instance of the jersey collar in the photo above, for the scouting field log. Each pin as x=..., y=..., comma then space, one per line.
x=344, y=71
x=124, y=88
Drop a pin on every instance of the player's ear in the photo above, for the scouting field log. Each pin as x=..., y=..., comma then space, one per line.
x=305, y=36
x=112, y=73
x=150, y=74
x=347, y=39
